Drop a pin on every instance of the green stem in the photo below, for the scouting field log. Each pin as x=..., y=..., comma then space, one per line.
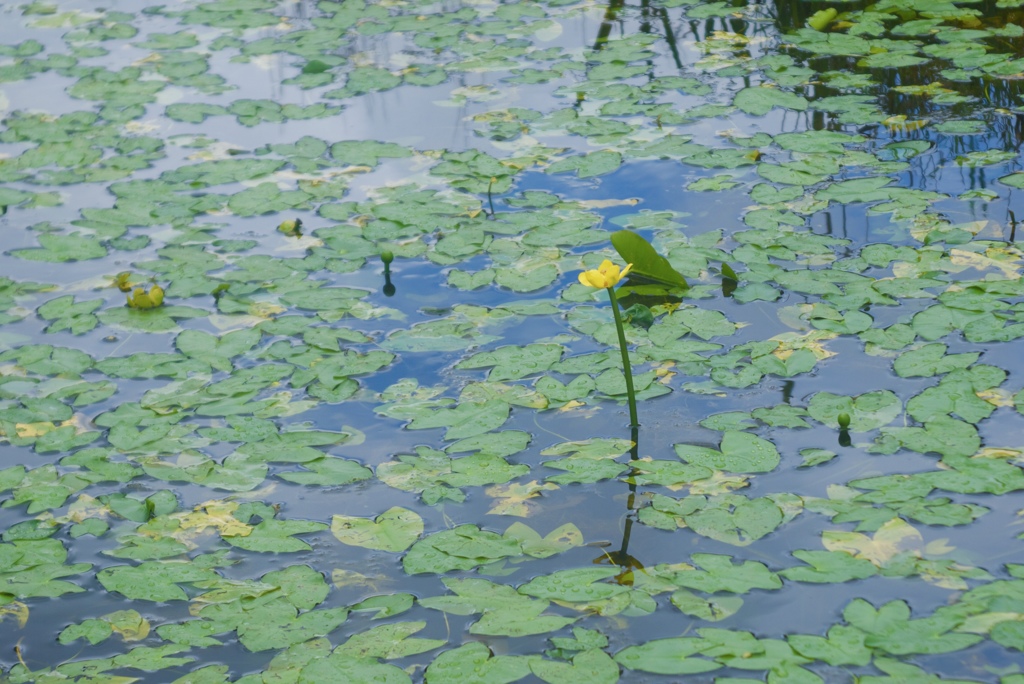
x=626, y=368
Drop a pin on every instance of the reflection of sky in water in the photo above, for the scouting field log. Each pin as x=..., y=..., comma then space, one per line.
x=439, y=118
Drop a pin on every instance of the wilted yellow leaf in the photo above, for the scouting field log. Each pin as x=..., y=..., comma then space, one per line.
x=215, y=514
x=945, y=576
x=571, y=405
x=729, y=37
x=1008, y=263
x=813, y=340
x=265, y=309
x=901, y=123
x=983, y=624
x=998, y=453
x=513, y=498
x=896, y=536
x=29, y=430
x=350, y=578
x=719, y=483
x=17, y=610
x=129, y=624
x=938, y=547
x=996, y=396
x=86, y=507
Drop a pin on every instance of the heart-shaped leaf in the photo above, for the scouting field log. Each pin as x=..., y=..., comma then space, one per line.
x=393, y=530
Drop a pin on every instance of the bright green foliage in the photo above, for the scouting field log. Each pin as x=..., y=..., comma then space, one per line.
x=740, y=452
x=867, y=411
x=805, y=294
x=719, y=574
x=473, y=664
x=462, y=548
x=829, y=567
x=635, y=250
x=514, y=363
x=589, y=461
x=587, y=666
x=504, y=611
x=667, y=656
x=34, y=568
x=388, y=641
x=759, y=101
x=393, y=530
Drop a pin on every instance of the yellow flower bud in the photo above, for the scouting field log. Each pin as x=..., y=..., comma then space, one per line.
x=140, y=299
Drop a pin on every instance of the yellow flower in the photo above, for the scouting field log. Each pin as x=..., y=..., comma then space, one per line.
x=606, y=275
x=140, y=299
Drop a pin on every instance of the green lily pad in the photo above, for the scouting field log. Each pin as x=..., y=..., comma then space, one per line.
x=758, y=101
x=393, y=530
x=867, y=411
x=741, y=452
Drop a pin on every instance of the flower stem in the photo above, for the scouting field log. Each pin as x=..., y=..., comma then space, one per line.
x=626, y=368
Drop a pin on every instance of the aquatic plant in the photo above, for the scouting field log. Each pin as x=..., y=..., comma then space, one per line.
x=606, y=277
x=140, y=299
x=288, y=460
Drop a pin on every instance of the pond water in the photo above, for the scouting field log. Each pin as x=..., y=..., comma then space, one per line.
x=236, y=446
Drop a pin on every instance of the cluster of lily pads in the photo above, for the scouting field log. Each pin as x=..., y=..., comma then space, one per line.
x=277, y=397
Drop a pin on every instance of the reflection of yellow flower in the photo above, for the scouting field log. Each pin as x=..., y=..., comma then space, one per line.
x=606, y=275
x=140, y=299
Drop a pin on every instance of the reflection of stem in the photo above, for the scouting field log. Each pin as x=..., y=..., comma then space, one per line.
x=622, y=557
x=610, y=15
x=490, y=200
x=634, y=455
x=630, y=393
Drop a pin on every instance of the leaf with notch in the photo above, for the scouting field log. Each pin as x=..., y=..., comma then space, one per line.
x=217, y=351
x=741, y=452
x=719, y=573
x=394, y=530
